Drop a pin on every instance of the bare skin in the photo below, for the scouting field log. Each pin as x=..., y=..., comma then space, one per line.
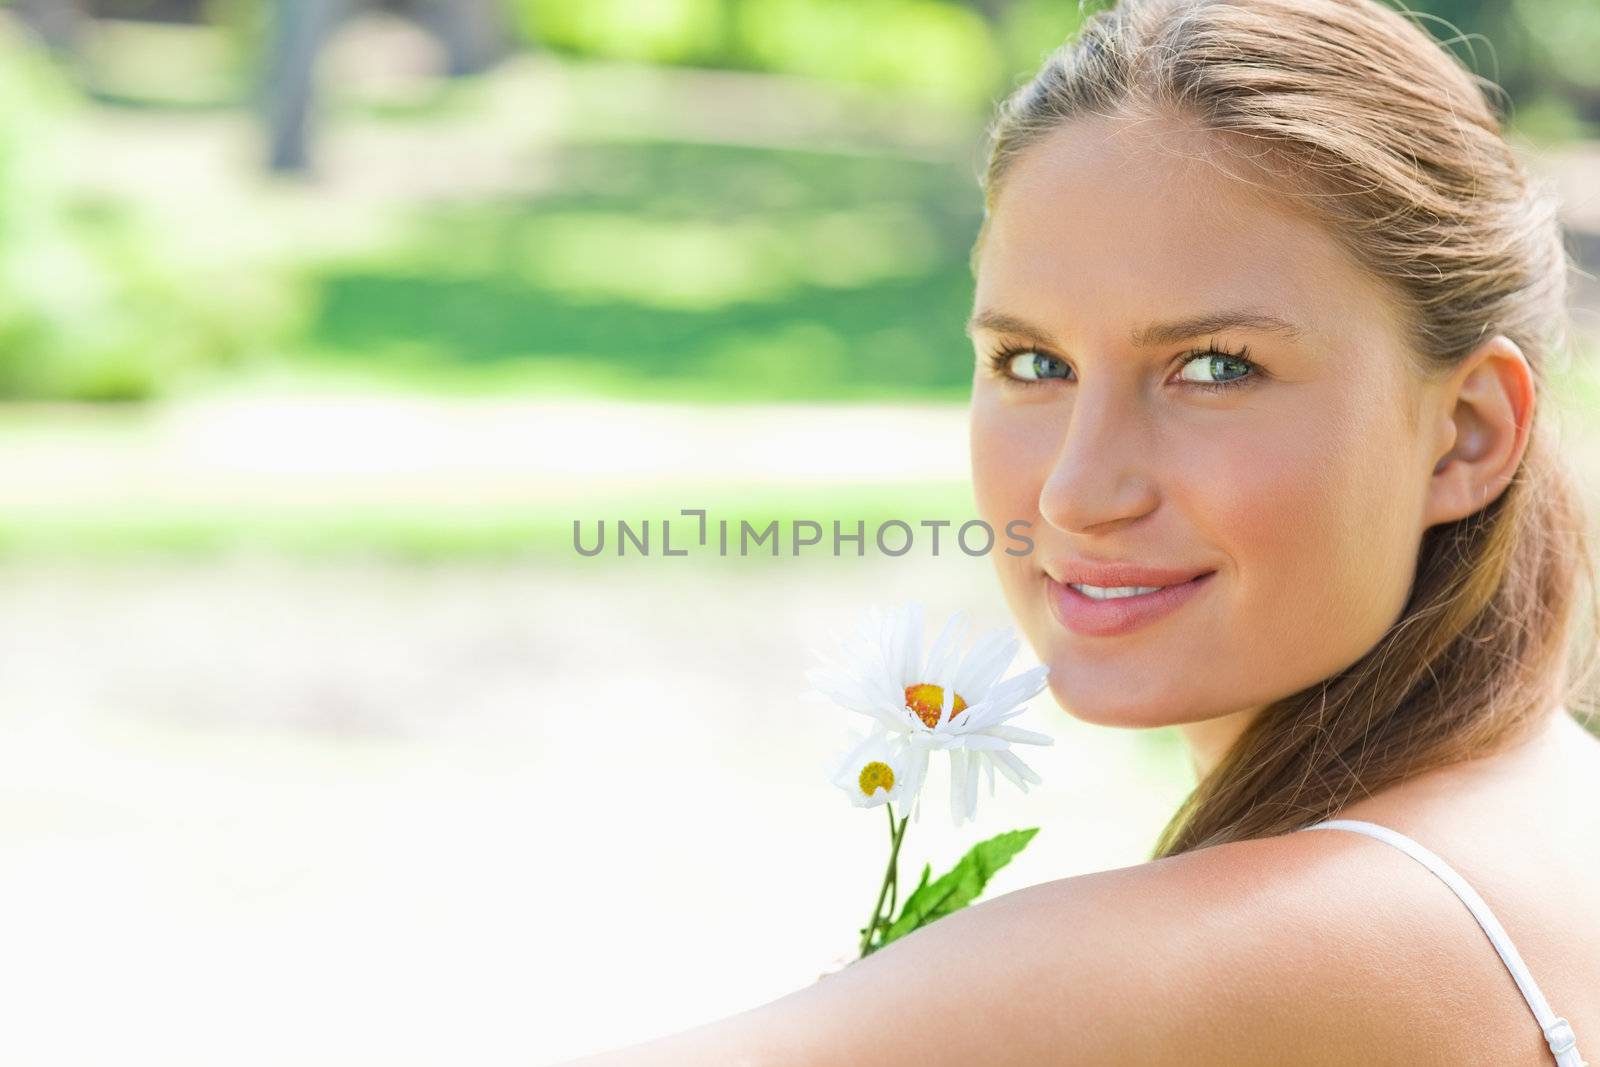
x=1310, y=948
x=1308, y=492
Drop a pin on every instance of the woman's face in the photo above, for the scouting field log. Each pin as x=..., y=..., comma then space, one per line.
x=1126, y=273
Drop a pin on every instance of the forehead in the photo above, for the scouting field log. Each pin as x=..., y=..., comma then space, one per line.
x=1108, y=221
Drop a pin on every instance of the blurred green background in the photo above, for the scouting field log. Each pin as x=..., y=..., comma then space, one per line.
x=764, y=204
x=320, y=324
x=696, y=201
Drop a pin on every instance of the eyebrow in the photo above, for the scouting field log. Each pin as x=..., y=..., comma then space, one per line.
x=1156, y=333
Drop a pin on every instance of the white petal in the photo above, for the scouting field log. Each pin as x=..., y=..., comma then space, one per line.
x=999, y=763
x=1018, y=688
x=885, y=719
x=910, y=722
x=855, y=743
x=884, y=690
x=995, y=720
x=980, y=742
x=893, y=631
x=976, y=717
x=1019, y=736
x=1010, y=759
x=886, y=640
x=989, y=763
x=958, y=782
x=915, y=761
x=913, y=646
x=841, y=689
x=939, y=668
x=863, y=749
x=985, y=661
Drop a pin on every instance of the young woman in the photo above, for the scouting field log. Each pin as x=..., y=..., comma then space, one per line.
x=1262, y=312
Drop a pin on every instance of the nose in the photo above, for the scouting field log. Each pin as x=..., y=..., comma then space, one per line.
x=1103, y=474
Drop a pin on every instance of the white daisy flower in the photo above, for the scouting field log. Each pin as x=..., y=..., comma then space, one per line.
x=944, y=701
x=873, y=772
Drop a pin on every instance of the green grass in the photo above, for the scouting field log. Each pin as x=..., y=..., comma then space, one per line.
x=535, y=530
x=665, y=269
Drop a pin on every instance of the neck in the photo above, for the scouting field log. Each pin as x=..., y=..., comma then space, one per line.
x=1210, y=739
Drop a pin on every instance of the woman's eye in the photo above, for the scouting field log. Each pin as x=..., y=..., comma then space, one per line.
x=1035, y=366
x=1223, y=368
x=1219, y=370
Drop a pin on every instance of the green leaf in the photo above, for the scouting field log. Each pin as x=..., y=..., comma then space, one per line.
x=922, y=883
x=879, y=939
x=961, y=886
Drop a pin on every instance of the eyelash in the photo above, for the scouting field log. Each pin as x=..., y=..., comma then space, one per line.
x=1000, y=359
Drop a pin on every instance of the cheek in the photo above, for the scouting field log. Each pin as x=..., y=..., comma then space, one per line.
x=1310, y=512
x=1011, y=447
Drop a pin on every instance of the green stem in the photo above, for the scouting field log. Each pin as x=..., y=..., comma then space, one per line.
x=889, y=879
x=894, y=893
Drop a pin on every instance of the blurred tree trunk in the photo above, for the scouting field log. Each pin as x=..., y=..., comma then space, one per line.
x=300, y=28
x=474, y=34
x=57, y=22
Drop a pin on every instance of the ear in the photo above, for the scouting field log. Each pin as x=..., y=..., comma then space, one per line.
x=1484, y=413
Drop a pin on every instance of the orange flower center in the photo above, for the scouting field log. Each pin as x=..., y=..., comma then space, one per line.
x=928, y=700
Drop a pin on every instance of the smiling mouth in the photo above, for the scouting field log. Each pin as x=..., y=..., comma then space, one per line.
x=1089, y=615
x=1096, y=592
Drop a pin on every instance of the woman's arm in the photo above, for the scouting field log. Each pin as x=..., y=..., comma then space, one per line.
x=1250, y=953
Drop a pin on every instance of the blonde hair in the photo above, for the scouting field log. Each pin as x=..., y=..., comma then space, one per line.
x=1357, y=112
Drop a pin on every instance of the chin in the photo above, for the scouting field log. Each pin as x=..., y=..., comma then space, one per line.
x=1116, y=707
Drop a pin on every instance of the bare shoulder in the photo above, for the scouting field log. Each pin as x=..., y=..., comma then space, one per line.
x=1305, y=948
x=1287, y=949
x=1311, y=948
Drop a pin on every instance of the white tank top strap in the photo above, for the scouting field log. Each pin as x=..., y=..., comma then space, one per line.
x=1557, y=1032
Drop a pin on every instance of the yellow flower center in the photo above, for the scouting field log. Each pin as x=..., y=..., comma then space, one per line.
x=875, y=774
x=927, y=700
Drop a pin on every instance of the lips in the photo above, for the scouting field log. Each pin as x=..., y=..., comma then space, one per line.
x=1113, y=575
x=1088, y=617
